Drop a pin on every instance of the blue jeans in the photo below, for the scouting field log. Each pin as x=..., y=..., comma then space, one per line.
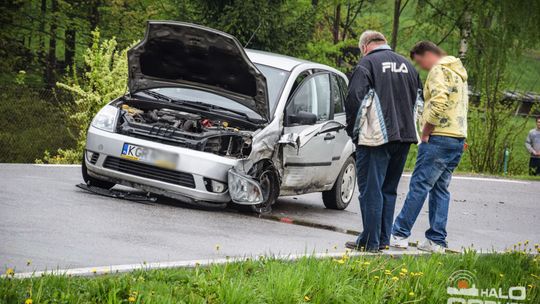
x=379, y=170
x=435, y=163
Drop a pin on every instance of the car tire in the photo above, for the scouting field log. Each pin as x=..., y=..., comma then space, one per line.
x=342, y=192
x=269, y=181
x=92, y=181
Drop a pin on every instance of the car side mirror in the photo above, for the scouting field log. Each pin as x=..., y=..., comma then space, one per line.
x=302, y=118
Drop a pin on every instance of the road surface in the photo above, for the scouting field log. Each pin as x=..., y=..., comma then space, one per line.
x=45, y=219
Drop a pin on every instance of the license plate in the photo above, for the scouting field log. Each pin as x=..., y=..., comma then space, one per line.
x=148, y=155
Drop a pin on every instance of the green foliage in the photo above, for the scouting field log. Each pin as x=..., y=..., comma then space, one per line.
x=379, y=279
x=32, y=121
x=104, y=79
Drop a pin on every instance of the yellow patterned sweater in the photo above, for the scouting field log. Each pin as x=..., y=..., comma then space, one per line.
x=446, y=98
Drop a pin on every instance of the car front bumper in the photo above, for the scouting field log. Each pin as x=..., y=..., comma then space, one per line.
x=193, y=168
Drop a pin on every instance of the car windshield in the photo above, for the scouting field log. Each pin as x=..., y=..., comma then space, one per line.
x=275, y=79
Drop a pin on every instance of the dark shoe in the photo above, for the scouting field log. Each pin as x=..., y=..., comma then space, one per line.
x=354, y=246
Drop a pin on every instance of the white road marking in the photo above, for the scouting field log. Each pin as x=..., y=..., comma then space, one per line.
x=101, y=270
x=484, y=179
x=56, y=165
x=458, y=177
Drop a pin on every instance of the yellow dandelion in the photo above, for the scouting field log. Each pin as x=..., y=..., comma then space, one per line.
x=28, y=262
x=340, y=261
x=387, y=272
x=367, y=263
x=411, y=293
x=536, y=246
x=526, y=242
x=501, y=275
x=395, y=279
x=420, y=274
x=94, y=270
x=307, y=299
x=440, y=263
x=376, y=277
x=404, y=270
x=530, y=286
x=10, y=272
x=28, y=301
x=131, y=299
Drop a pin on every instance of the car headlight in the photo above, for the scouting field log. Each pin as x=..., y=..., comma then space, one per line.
x=244, y=189
x=105, y=119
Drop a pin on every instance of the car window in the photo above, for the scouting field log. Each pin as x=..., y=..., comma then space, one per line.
x=337, y=96
x=343, y=86
x=275, y=80
x=312, y=96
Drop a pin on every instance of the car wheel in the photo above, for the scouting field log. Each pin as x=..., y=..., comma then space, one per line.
x=341, y=194
x=269, y=182
x=92, y=181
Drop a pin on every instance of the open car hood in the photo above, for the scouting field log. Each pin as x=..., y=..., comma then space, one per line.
x=189, y=55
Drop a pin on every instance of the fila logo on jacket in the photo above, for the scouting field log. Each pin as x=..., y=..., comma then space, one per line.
x=393, y=67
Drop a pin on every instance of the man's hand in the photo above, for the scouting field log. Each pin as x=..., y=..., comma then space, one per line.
x=426, y=131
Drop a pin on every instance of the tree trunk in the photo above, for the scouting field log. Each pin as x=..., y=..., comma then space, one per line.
x=94, y=15
x=337, y=19
x=70, y=47
x=395, y=26
x=50, y=72
x=465, y=29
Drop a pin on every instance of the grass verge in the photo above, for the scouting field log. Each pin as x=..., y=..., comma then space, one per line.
x=363, y=279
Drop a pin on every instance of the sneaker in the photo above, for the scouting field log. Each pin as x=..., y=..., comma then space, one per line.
x=399, y=241
x=430, y=246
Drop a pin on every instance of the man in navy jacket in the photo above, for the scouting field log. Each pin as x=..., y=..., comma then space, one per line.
x=384, y=96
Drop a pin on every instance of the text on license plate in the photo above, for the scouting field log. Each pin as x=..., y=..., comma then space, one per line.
x=147, y=155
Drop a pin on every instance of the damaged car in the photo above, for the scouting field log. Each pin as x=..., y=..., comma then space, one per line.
x=209, y=122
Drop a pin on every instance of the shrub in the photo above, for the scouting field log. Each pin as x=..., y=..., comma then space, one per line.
x=104, y=79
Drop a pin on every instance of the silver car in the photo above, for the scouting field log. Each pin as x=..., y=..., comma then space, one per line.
x=208, y=122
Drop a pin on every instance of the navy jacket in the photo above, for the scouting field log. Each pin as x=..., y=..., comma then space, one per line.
x=397, y=88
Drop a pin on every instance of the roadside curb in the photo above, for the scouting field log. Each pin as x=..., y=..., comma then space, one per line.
x=113, y=269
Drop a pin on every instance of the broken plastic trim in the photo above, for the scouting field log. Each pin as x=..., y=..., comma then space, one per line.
x=118, y=193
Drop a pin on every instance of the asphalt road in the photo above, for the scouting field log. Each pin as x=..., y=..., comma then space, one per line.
x=46, y=219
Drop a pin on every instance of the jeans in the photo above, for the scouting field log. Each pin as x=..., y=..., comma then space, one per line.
x=435, y=163
x=379, y=170
x=534, y=166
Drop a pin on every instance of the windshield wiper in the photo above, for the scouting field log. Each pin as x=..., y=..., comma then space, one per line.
x=214, y=107
x=157, y=95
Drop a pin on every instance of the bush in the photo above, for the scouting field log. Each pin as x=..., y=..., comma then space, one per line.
x=104, y=79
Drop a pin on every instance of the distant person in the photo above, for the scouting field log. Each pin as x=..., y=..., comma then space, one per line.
x=444, y=129
x=383, y=92
x=533, y=146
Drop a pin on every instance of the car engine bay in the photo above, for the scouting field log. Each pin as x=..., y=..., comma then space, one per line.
x=184, y=129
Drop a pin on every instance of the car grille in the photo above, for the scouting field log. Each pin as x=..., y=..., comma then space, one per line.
x=149, y=171
x=94, y=158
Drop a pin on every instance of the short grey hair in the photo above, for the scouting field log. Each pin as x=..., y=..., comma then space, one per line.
x=370, y=36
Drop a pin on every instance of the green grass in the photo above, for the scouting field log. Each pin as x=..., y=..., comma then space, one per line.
x=379, y=279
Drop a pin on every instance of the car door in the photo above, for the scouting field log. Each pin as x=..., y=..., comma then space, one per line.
x=309, y=135
x=339, y=91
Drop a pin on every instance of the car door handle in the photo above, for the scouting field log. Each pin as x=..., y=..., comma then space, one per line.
x=329, y=136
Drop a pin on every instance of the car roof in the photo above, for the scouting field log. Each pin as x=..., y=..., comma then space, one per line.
x=284, y=62
x=275, y=60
